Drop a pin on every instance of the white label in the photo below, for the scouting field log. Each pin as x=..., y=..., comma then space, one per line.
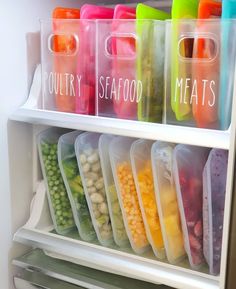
x=64, y=84
x=124, y=89
x=188, y=91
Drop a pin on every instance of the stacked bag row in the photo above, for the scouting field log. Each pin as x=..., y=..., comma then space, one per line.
x=139, y=193
x=135, y=63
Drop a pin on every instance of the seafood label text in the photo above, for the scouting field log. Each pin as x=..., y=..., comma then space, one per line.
x=128, y=90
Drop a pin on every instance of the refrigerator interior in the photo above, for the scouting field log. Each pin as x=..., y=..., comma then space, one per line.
x=22, y=196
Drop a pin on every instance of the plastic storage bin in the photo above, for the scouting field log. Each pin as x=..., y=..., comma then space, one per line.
x=227, y=66
x=188, y=165
x=123, y=63
x=166, y=197
x=119, y=151
x=142, y=169
x=121, y=57
x=72, y=180
x=192, y=81
x=86, y=92
x=59, y=203
x=86, y=148
x=214, y=187
x=118, y=90
x=59, y=58
x=118, y=227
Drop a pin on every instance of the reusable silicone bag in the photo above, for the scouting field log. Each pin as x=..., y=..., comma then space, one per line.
x=86, y=148
x=124, y=52
x=86, y=91
x=181, y=9
x=119, y=151
x=166, y=197
x=58, y=200
x=150, y=61
x=61, y=51
x=214, y=187
x=188, y=165
x=227, y=66
x=206, y=65
x=73, y=183
x=117, y=222
x=142, y=170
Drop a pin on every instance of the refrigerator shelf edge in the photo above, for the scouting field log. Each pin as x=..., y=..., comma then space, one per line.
x=137, y=129
x=36, y=234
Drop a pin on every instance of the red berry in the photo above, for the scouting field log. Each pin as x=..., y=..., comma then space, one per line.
x=198, y=229
x=194, y=243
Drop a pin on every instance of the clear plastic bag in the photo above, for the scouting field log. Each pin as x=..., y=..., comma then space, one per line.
x=73, y=183
x=59, y=203
x=117, y=222
x=122, y=171
x=86, y=149
x=188, y=164
x=142, y=169
x=214, y=186
x=166, y=196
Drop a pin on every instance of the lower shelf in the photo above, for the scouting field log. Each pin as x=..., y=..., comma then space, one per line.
x=38, y=232
x=36, y=262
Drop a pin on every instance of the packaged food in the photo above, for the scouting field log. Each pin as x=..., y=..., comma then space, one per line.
x=181, y=9
x=86, y=149
x=119, y=151
x=188, y=165
x=86, y=90
x=124, y=65
x=150, y=61
x=166, y=197
x=214, y=186
x=118, y=227
x=228, y=58
x=73, y=183
x=206, y=65
x=58, y=200
x=65, y=47
x=142, y=170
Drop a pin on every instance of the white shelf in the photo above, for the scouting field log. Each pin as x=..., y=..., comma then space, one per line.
x=137, y=129
x=36, y=233
x=30, y=113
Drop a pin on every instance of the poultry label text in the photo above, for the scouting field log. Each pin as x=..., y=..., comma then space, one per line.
x=65, y=84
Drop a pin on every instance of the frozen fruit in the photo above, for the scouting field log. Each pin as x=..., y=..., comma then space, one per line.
x=194, y=242
x=198, y=229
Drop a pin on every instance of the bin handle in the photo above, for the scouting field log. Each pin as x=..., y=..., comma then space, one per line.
x=199, y=36
x=73, y=37
x=120, y=35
